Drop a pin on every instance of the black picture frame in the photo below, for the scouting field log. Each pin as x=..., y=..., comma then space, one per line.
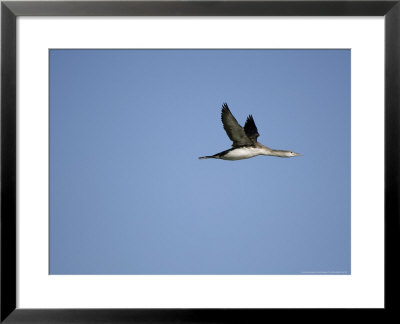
x=10, y=10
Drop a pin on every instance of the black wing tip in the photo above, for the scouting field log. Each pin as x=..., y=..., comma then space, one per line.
x=225, y=109
x=250, y=128
x=250, y=119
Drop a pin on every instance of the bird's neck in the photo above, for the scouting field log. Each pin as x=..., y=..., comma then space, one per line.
x=270, y=152
x=280, y=153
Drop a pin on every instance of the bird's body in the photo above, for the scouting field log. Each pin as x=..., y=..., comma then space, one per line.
x=245, y=145
x=238, y=153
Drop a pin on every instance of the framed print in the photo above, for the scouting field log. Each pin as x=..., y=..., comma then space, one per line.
x=176, y=161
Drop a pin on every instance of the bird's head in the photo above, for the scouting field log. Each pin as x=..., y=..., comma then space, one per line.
x=291, y=153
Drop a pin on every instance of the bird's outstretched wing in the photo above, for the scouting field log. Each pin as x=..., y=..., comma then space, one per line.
x=232, y=128
x=250, y=129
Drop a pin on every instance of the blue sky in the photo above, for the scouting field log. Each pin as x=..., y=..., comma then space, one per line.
x=128, y=194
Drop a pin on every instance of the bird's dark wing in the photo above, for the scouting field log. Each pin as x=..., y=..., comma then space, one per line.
x=232, y=128
x=250, y=129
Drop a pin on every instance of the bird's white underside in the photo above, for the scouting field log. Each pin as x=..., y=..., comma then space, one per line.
x=243, y=153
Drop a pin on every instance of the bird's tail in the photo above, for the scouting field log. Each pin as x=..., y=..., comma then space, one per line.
x=215, y=156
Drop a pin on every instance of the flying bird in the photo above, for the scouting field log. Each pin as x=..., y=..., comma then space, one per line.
x=244, y=140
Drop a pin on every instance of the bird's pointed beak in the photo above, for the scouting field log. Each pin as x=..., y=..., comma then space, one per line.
x=299, y=154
